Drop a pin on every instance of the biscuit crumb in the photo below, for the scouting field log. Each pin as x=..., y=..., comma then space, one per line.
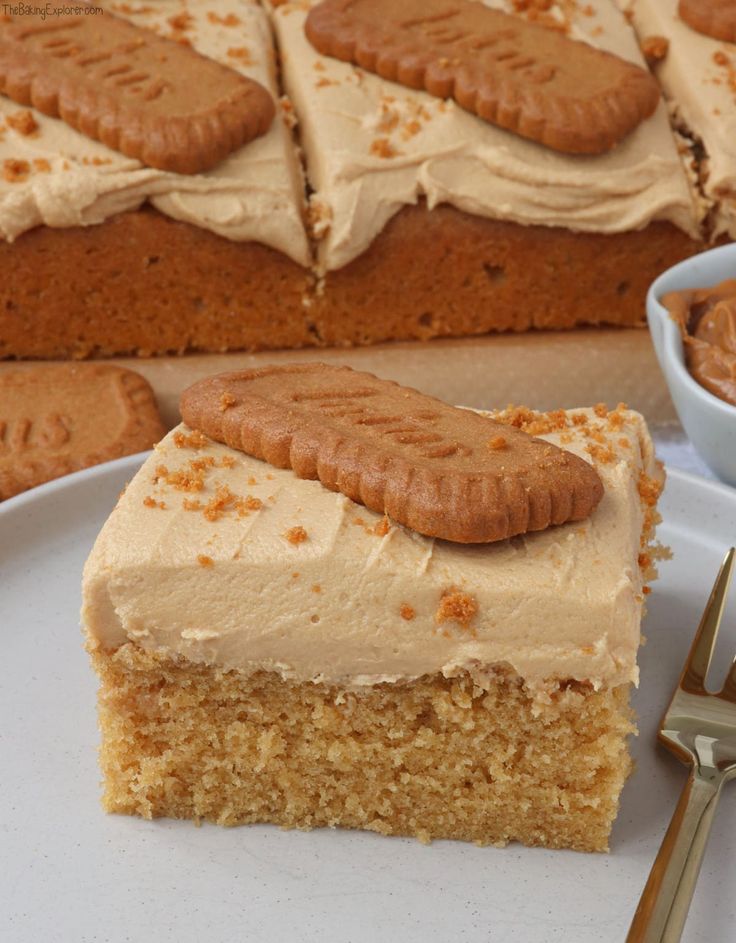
x=540, y=11
x=16, y=171
x=655, y=48
x=456, y=606
x=649, y=489
x=241, y=53
x=382, y=527
x=203, y=560
x=296, y=535
x=407, y=612
x=223, y=500
x=411, y=128
x=532, y=422
x=389, y=119
x=150, y=502
x=617, y=418
x=497, y=443
x=23, y=122
x=287, y=112
x=226, y=401
x=200, y=464
x=319, y=217
x=194, y=440
x=601, y=453
x=229, y=20
x=182, y=21
x=181, y=480
x=382, y=147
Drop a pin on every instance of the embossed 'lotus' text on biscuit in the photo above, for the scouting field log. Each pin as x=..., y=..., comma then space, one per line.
x=521, y=76
x=423, y=463
x=57, y=419
x=148, y=97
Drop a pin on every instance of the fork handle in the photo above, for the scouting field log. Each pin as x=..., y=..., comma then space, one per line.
x=665, y=900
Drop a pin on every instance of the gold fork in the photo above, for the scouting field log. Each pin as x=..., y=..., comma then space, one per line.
x=700, y=729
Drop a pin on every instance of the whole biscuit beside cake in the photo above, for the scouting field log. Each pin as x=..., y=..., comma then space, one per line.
x=270, y=650
x=59, y=419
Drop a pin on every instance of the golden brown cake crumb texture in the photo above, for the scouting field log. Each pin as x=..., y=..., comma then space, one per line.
x=434, y=758
x=461, y=275
x=140, y=283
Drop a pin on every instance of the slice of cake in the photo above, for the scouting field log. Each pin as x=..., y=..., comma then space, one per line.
x=272, y=651
x=697, y=73
x=132, y=259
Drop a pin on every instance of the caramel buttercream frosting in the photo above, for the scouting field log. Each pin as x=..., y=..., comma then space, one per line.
x=698, y=76
x=219, y=558
x=53, y=175
x=373, y=146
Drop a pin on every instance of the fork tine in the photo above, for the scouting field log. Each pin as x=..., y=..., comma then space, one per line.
x=698, y=661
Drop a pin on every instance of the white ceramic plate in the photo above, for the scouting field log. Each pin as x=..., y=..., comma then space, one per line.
x=68, y=872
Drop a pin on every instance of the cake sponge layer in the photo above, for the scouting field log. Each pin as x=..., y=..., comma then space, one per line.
x=432, y=758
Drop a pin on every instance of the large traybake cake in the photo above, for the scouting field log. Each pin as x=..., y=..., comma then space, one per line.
x=410, y=217
x=271, y=651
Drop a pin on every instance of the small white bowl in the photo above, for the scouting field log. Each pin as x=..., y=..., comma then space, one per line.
x=710, y=422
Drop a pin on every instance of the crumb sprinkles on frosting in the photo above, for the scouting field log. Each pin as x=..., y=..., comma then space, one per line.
x=227, y=400
x=191, y=440
x=296, y=535
x=456, y=606
x=23, y=122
